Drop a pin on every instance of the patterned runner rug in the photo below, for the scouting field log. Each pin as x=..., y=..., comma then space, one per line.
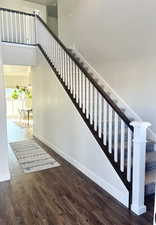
x=32, y=157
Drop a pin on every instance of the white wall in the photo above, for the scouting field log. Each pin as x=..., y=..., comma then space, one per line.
x=13, y=81
x=58, y=124
x=53, y=24
x=25, y=6
x=15, y=54
x=135, y=81
x=118, y=40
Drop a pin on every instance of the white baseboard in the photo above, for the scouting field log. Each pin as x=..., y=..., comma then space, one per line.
x=120, y=196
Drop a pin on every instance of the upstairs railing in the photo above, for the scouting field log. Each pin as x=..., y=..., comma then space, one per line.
x=123, y=145
x=17, y=27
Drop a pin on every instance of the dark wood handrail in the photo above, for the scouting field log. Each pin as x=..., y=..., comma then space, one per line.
x=17, y=43
x=16, y=11
x=102, y=92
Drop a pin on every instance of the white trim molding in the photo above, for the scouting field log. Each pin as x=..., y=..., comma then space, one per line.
x=4, y=166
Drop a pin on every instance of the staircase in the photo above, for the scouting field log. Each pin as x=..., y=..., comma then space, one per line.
x=150, y=146
x=109, y=125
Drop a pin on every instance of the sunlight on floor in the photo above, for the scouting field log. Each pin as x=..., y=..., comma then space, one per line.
x=17, y=131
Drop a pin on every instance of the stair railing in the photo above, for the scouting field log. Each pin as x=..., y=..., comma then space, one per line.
x=123, y=142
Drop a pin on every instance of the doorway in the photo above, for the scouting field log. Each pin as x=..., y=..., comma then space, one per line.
x=18, y=87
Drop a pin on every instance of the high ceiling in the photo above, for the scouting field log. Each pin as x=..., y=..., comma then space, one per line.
x=44, y=2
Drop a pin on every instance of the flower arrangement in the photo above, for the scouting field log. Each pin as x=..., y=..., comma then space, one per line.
x=21, y=92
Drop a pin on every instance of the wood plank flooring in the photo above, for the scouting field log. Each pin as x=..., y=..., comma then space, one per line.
x=61, y=196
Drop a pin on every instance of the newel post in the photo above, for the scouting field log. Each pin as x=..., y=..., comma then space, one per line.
x=139, y=161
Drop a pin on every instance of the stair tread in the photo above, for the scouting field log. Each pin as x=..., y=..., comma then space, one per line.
x=150, y=157
x=150, y=177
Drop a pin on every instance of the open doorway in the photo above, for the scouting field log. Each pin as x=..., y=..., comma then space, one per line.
x=18, y=86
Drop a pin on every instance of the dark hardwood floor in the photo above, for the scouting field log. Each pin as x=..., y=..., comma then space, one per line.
x=61, y=196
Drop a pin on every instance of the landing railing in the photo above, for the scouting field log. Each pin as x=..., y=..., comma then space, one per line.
x=123, y=145
x=17, y=27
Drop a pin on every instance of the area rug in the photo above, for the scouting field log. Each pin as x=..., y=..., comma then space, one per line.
x=32, y=157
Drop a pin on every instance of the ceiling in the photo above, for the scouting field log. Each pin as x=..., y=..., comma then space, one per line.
x=44, y=2
x=16, y=70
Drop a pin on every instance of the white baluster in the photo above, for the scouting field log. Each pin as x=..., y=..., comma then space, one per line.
x=20, y=29
x=64, y=69
x=7, y=25
x=129, y=155
x=68, y=75
x=83, y=79
x=66, y=62
x=116, y=122
x=110, y=130
x=63, y=64
x=122, y=150
x=91, y=103
x=2, y=26
x=95, y=109
x=72, y=81
x=87, y=98
x=90, y=100
x=32, y=30
x=105, y=122
x=59, y=61
x=24, y=29
x=11, y=27
x=16, y=29
x=78, y=85
x=100, y=116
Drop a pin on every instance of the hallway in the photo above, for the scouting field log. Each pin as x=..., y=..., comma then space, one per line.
x=58, y=196
x=17, y=132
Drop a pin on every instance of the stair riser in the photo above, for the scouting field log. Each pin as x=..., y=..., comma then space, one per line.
x=150, y=166
x=150, y=147
x=149, y=189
